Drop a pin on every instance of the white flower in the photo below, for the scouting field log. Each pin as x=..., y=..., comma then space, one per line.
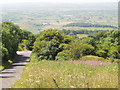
x=72, y=86
x=37, y=81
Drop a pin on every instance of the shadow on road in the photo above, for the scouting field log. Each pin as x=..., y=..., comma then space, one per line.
x=7, y=72
x=20, y=61
x=18, y=65
x=21, y=58
x=6, y=76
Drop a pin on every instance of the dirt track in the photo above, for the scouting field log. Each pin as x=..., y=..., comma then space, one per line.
x=12, y=73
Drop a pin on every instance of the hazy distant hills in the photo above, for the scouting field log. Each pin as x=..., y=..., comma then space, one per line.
x=40, y=16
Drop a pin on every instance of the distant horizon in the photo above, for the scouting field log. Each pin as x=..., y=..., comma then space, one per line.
x=58, y=1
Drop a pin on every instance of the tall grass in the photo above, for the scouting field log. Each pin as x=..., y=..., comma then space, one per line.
x=91, y=57
x=63, y=74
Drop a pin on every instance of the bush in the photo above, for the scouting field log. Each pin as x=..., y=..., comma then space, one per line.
x=55, y=45
x=5, y=55
x=49, y=44
x=64, y=55
x=27, y=40
x=114, y=52
x=75, y=50
x=106, y=44
x=10, y=39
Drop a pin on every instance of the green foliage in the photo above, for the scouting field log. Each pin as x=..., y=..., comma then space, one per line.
x=4, y=53
x=88, y=25
x=22, y=46
x=27, y=40
x=10, y=39
x=12, y=36
x=75, y=50
x=81, y=31
x=55, y=45
x=114, y=52
x=48, y=44
x=106, y=44
x=64, y=55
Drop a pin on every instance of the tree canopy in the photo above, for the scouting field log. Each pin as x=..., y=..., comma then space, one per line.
x=107, y=44
x=12, y=36
x=55, y=45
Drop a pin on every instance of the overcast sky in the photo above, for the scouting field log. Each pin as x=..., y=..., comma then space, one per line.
x=56, y=1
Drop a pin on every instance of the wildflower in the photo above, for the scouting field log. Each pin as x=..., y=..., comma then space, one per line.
x=37, y=81
x=69, y=75
x=72, y=86
x=98, y=85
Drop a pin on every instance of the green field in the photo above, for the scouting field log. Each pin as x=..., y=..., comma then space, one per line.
x=63, y=74
x=86, y=28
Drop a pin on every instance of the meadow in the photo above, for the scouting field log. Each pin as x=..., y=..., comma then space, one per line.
x=63, y=74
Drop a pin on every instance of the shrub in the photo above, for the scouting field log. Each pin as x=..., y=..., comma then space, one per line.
x=10, y=38
x=75, y=50
x=114, y=52
x=49, y=44
x=106, y=44
x=64, y=55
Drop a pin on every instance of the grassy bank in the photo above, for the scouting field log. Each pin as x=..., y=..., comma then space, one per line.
x=63, y=74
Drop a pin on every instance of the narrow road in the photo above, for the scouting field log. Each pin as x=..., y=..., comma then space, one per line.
x=12, y=73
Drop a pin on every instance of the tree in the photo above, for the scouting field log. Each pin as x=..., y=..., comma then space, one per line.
x=10, y=38
x=106, y=44
x=74, y=51
x=47, y=45
x=27, y=40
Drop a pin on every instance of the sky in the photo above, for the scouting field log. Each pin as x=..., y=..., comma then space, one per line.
x=56, y=1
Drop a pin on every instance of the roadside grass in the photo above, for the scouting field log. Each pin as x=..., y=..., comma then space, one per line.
x=63, y=74
x=1, y=67
x=97, y=58
x=91, y=57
